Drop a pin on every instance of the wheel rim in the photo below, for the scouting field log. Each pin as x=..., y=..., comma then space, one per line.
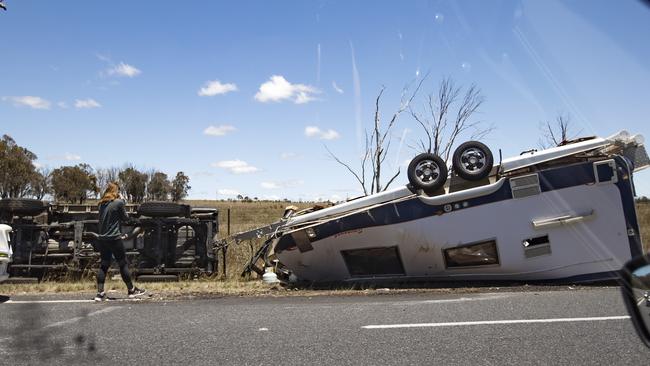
x=472, y=159
x=427, y=171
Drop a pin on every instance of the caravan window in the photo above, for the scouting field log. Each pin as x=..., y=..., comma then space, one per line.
x=373, y=262
x=475, y=254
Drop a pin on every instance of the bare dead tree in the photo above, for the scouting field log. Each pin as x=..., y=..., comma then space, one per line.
x=446, y=115
x=107, y=175
x=557, y=132
x=377, y=144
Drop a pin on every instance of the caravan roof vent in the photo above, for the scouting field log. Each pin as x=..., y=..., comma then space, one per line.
x=524, y=186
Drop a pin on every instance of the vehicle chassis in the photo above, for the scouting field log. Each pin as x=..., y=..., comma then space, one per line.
x=63, y=240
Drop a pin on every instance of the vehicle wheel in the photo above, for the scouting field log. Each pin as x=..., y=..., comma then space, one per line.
x=22, y=206
x=472, y=160
x=164, y=209
x=427, y=172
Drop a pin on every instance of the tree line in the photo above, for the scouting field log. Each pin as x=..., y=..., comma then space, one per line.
x=21, y=178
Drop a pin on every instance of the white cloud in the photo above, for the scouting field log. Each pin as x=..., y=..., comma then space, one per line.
x=28, y=101
x=86, y=103
x=316, y=132
x=278, y=89
x=67, y=157
x=220, y=130
x=325, y=198
x=227, y=192
x=215, y=87
x=123, y=69
x=282, y=185
x=270, y=185
x=236, y=166
x=336, y=198
x=71, y=157
x=336, y=87
x=103, y=58
x=63, y=105
x=289, y=156
x=312, y=131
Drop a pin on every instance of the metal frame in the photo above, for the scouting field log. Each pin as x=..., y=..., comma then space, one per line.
x=31, y=236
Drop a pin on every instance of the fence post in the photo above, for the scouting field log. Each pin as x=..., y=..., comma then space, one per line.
x=228, y=229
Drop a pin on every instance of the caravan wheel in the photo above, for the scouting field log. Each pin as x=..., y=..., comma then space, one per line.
x=427, y=172
x=472, y=160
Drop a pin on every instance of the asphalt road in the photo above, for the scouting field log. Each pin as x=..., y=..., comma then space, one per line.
x=586, y=326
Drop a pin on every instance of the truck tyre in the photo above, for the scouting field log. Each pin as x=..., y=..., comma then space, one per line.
x=22, y=206
x=163, y=209
x=427, y=172
x=472, y=160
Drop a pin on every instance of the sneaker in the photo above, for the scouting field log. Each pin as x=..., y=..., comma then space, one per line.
x=136, y=292
x=101, y=296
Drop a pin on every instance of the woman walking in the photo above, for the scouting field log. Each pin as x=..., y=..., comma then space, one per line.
x=111, y=213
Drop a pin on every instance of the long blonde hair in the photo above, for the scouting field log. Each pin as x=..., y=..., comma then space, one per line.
x=111, y=193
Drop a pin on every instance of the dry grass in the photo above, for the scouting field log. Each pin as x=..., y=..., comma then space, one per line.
x=160, y=289
x=211, y=289
x=200, y=288
x=244, y=216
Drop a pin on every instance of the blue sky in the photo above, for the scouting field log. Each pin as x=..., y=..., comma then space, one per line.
x=244, y=96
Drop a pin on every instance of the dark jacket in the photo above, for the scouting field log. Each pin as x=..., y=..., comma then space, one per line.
x=110, y=215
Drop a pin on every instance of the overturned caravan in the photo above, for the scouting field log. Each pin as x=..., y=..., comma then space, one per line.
x=565, y=213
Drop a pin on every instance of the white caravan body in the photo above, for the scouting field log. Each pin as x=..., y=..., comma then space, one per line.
x=566, y=213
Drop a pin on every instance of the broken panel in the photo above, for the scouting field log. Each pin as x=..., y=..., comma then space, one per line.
x=475, y=254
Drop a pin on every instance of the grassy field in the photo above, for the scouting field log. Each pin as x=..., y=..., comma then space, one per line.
x=244, y=216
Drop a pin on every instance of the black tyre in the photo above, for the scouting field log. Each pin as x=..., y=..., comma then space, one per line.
x=472, y=160
x=163, y=209
x=22, y=206
x=427, y=172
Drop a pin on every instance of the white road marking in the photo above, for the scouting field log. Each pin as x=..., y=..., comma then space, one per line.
x=49, y=301
x=78, y=318
x=480, y=297
x=494, y=322
x=263, y=330
x=460, y=299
